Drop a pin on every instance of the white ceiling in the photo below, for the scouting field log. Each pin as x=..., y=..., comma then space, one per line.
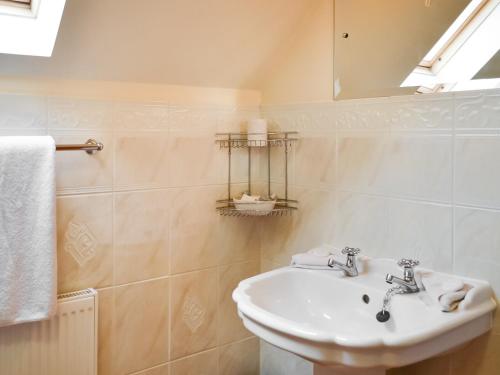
x=215, y=43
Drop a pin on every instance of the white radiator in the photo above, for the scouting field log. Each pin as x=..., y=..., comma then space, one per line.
x=63, y=345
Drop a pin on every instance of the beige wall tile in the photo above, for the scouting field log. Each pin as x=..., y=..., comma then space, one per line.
x=479, y=110
x=205, y=363
x=76, y=113
x=105, y=330
x=277, y=238
x=79, y=171
x=239, y=165
x=311, y=225
x=276, y=361
x=477, y=240
x=315, y=158
x=279, y=163
x=159, y=370
x=239, y=239
x=23, y=112
x=266, y=266
x=230, y=327
x=193, y=229
x=84, y=242
x=22, y=132
x=141, y=235
x=235, y=119
x=434, y=366
x=314, y=221
x=394, y=228
x=396, y=113
x=476, y=162
x=193, y=118
x=301, y=117
x=141, y=160
x=414, y=112
x=140, y=116
x=406, y=165
x=240, y=358
x=479, y=357
x=195, y=159
x=193, y=317
x=496, y=322
x=141, y=325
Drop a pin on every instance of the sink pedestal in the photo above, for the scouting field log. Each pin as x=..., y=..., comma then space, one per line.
x=321, y=370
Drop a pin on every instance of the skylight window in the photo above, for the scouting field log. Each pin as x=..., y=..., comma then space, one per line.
x=17, y=7
x=463, y=50
x=29, y=27
x=17, y=2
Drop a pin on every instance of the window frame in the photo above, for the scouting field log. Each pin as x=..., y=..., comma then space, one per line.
x=434, y=73
x=35, y=27
x=18, y=8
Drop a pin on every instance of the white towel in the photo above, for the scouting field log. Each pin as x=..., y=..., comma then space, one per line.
x=27, y=229
x=316, y=258
x=446, y=293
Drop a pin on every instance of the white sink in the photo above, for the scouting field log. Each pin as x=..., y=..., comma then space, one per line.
x=321, y=316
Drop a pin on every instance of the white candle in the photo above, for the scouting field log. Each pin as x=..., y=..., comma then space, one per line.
x=257, y=132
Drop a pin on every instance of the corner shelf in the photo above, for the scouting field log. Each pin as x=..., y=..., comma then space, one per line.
x=240, y=140
x=282, y=208
x=230, y=141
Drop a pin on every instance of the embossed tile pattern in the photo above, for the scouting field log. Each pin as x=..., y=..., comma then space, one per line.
x=22, y=112
x=84, y=242
x=194, y=308
x=118, y=218
x=392, y=195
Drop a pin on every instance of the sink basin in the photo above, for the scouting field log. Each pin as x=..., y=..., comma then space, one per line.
x=329, y=318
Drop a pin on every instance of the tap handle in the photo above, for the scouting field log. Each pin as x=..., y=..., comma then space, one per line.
x=350, y=251
x=408, y=263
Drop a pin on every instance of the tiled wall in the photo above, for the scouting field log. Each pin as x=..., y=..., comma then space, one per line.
x=137, y=222
x=398, y=177
x=412, y=176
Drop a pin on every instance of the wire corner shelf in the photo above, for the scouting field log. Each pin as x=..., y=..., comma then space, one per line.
x=244, y=140
x=233, y=141
x=281, y=208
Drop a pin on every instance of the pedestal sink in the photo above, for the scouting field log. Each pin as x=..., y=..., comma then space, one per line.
x=329, y=319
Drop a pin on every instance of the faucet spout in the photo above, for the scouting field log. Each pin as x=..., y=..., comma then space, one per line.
x=408, y=282
x=404, y=285
x=408, y=286
x=349, y=268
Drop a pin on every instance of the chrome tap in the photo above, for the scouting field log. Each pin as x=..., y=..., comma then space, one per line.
x=407, y=283
x=349, y=267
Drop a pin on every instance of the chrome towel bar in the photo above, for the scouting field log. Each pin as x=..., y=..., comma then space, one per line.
x=89, y=147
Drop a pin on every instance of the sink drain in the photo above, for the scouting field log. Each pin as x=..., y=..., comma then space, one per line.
x=383, y=316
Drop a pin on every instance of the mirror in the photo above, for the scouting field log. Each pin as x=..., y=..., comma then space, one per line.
x=403, y=47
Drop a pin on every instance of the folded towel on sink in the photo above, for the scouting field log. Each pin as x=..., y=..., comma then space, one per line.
x=447, y=293
x=316, y=258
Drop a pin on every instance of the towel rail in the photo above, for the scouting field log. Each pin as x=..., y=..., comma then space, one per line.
x=89, y=147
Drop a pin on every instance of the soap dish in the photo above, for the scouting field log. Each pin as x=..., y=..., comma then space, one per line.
x=254, y=208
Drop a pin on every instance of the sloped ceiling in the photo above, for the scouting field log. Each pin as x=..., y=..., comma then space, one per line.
x=213, y=43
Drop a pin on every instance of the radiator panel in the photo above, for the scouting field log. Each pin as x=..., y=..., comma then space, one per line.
x=65, y=344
